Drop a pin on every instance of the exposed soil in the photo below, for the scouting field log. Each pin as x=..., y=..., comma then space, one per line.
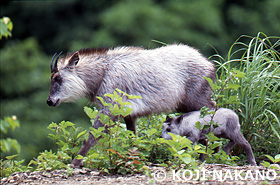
x=230, y=175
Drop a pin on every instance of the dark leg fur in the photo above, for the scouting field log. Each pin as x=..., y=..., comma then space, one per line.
x=228, y=147
x=77, y=163
x=130, y=123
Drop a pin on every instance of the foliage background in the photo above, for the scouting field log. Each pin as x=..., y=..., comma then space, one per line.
x=42, y=28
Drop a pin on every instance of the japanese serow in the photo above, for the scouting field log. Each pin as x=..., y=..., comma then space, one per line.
x=169, y=78
x=228, y=128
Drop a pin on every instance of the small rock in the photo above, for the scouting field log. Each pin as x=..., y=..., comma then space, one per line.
x=83, y=171
x=86, y=169
x=71, y=166
x=76, y=171
x=64, y=176
x=47, y=175
x=4, y=179
x=10, y=178
x=94, y=173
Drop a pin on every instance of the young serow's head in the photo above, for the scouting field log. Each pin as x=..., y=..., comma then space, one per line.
x=171, y=125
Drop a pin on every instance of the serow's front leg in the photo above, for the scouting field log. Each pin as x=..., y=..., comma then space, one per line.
x=78, y=163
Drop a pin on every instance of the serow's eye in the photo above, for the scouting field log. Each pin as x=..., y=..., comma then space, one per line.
x=168, y=130
x=58, y=79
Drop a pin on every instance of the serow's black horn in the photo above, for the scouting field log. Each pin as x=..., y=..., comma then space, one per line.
x=52, y=62
x=54, y=67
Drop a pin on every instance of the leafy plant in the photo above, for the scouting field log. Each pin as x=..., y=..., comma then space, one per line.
x=48, y=160
x=115, y=151
x=7, y=144
x=183, y=151
x=6, y=26
x=10, y=165
x=67, y=137
x=148, y=134
x=213, y=143
x=274, y=160
x=255, y=96
x=213, y=152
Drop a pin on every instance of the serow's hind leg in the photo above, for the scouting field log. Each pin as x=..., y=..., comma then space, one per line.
x=228, y=146
x=240, y=140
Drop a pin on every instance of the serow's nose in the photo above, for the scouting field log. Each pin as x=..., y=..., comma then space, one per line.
x=50, y=102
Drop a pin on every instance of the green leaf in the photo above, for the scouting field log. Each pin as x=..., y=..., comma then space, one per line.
x=126, y=111
x=151, y=131
x=90, y=112
x=211, y=137
x=213, y=86
x=201, y=151
x=134, y=97
x=52, y=125
x=238, y=74
x=196, y=147
x=10, y=26
x=232, y=99
x=270, y=158
x=10, y=157
x=32, y=162
x=277, y=158
x=8, y=143
x=129, y=96
x=103, y=102
x=6, y=27
x=198, y=125
x=274, y=167
x=265, y=164
x=125, y=103
x=106, y=170
x=81, y=134
x=115, y=110
x=181, y=152
x=104, y=118
x=206, y=126
x=68, y=124
x=214, y=145
x=110, y=96
x=187, y=158
x=233, y=86
x=79, y=157
x=275, y=131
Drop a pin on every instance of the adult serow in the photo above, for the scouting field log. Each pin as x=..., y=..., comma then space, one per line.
x=169, y=78
x=228, y=128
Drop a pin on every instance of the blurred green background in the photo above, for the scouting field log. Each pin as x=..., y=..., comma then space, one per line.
x=42, y=28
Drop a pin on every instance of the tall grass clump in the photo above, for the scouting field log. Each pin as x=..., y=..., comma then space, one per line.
x=257, y=93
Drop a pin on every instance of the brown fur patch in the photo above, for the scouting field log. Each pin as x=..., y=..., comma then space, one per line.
x=53, y=75
x=90, y=51
x=84, y=52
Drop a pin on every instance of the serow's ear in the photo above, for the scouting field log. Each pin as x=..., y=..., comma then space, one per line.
x=73, y=61
x=179, y=119
x=168, y=119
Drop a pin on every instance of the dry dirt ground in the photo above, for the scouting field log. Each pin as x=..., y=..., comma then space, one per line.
x=228, y=175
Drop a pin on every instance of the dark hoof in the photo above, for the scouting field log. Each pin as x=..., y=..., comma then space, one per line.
x=76, y=163
x=254, y=164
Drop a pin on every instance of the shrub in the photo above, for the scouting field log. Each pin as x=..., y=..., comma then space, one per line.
x=257, y=93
